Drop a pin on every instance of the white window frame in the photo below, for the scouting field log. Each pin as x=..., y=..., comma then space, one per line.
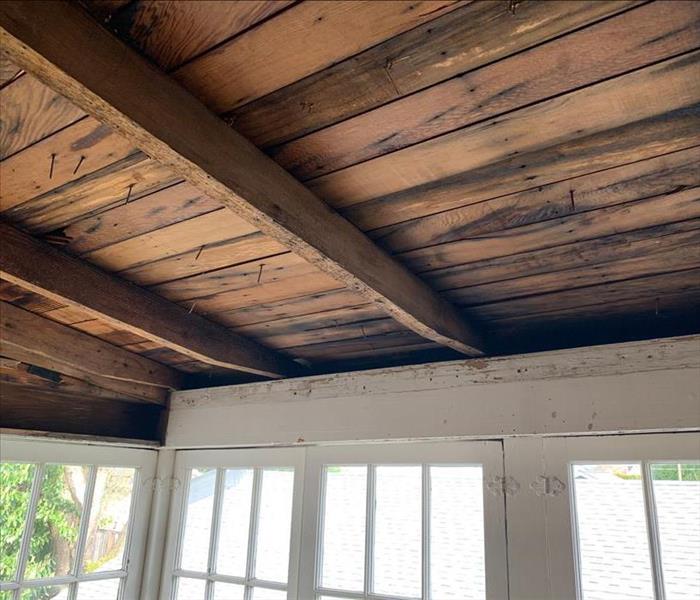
x=562, y=453
x=185, y=461
x=487, y=454
x=50, y=452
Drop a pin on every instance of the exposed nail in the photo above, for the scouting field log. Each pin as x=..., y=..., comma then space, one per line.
x=260, y=271
x=571, y=195
x=53, y=161
x=189, y=312
x=128, y=194
x=80, y=162
x=196, y=258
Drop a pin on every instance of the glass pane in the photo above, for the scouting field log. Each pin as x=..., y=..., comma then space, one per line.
x=228, y=591
x=15, y=491
x=190, y=589
x=48, y=592
x=398, y=530
x=235, y=522
x=612, y=532
x=200, y=503
x=274, y=525
x=677, y=497
x=344, y=513
x=106, y=589
x=109, y=518
x=57, y=521
x=457, y=533
x=263, y=594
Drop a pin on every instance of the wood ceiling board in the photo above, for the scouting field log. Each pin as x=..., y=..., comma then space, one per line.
x=70, y=281
x=468, y=38
x=596, y=108
x=112, y=186
x=315, y=34
x=171, y=33
x=643, y=179
x=646, y=212
x=8, y=71
x=664, y=134
x=103, y=10
x=212, y=228
x=277, y=204
x=63, y=349
x=594, y=300
x=165, y=207
x=30, y=112
x=58, y=159
x=610, y=48
x=28, y=409
x=291, y=307
x=639, y=243
x=214, y=256
x=670, y=254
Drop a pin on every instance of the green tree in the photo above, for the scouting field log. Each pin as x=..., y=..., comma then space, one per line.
x=55, y=529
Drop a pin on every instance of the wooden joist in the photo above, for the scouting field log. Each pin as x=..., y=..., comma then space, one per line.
x=47, y=271
x=173, y=127
x=33, y=339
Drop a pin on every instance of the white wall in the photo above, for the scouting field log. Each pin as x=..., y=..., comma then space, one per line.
x=634, y=387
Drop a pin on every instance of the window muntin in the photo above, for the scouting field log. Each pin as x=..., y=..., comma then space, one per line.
x=637, y=529
x=406, y=535
x=67, y=513
x=236, y=533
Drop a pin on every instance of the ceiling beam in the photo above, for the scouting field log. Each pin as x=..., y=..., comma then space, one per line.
x=43, y=269
x=67, y=50
x=36, y=340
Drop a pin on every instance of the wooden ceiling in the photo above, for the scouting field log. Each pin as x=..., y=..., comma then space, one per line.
x=526, y=175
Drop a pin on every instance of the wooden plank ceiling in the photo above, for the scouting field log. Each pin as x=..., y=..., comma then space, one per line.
x=535, y=163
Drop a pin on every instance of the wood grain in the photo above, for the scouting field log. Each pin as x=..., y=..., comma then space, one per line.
x=596, y=108
x=72, y=282
x=173, y=127
x=78, y=150
x=50, y=343
x=664, y=134
x=470, y=37
x=30, y=112
x=643, y=179
x=315, y=34
x=172, y=32
x=610, y=48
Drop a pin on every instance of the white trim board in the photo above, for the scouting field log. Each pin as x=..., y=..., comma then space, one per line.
x=634, y=387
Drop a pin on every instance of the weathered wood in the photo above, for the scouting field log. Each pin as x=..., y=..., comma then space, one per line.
x=596, y=108
x=315, y=34
x=170, y=33
x=8, y=71
x=82, y=148
x=629, y=216
x=667, y=133
x=19, y=373
x=72, y=282
x=127, y=179
x=31, y=338
x=470, y=37
x=175, y=128
x=617, y=45
x=27, y=408
x=165, y=207
x=30, y=112
x=643, y=179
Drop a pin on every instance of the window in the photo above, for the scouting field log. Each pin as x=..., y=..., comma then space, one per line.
x=235, y=528
x=634, y=517
x=404, y=521
x=71, y=518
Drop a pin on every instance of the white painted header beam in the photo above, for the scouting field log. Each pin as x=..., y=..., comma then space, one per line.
x=639, y=386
